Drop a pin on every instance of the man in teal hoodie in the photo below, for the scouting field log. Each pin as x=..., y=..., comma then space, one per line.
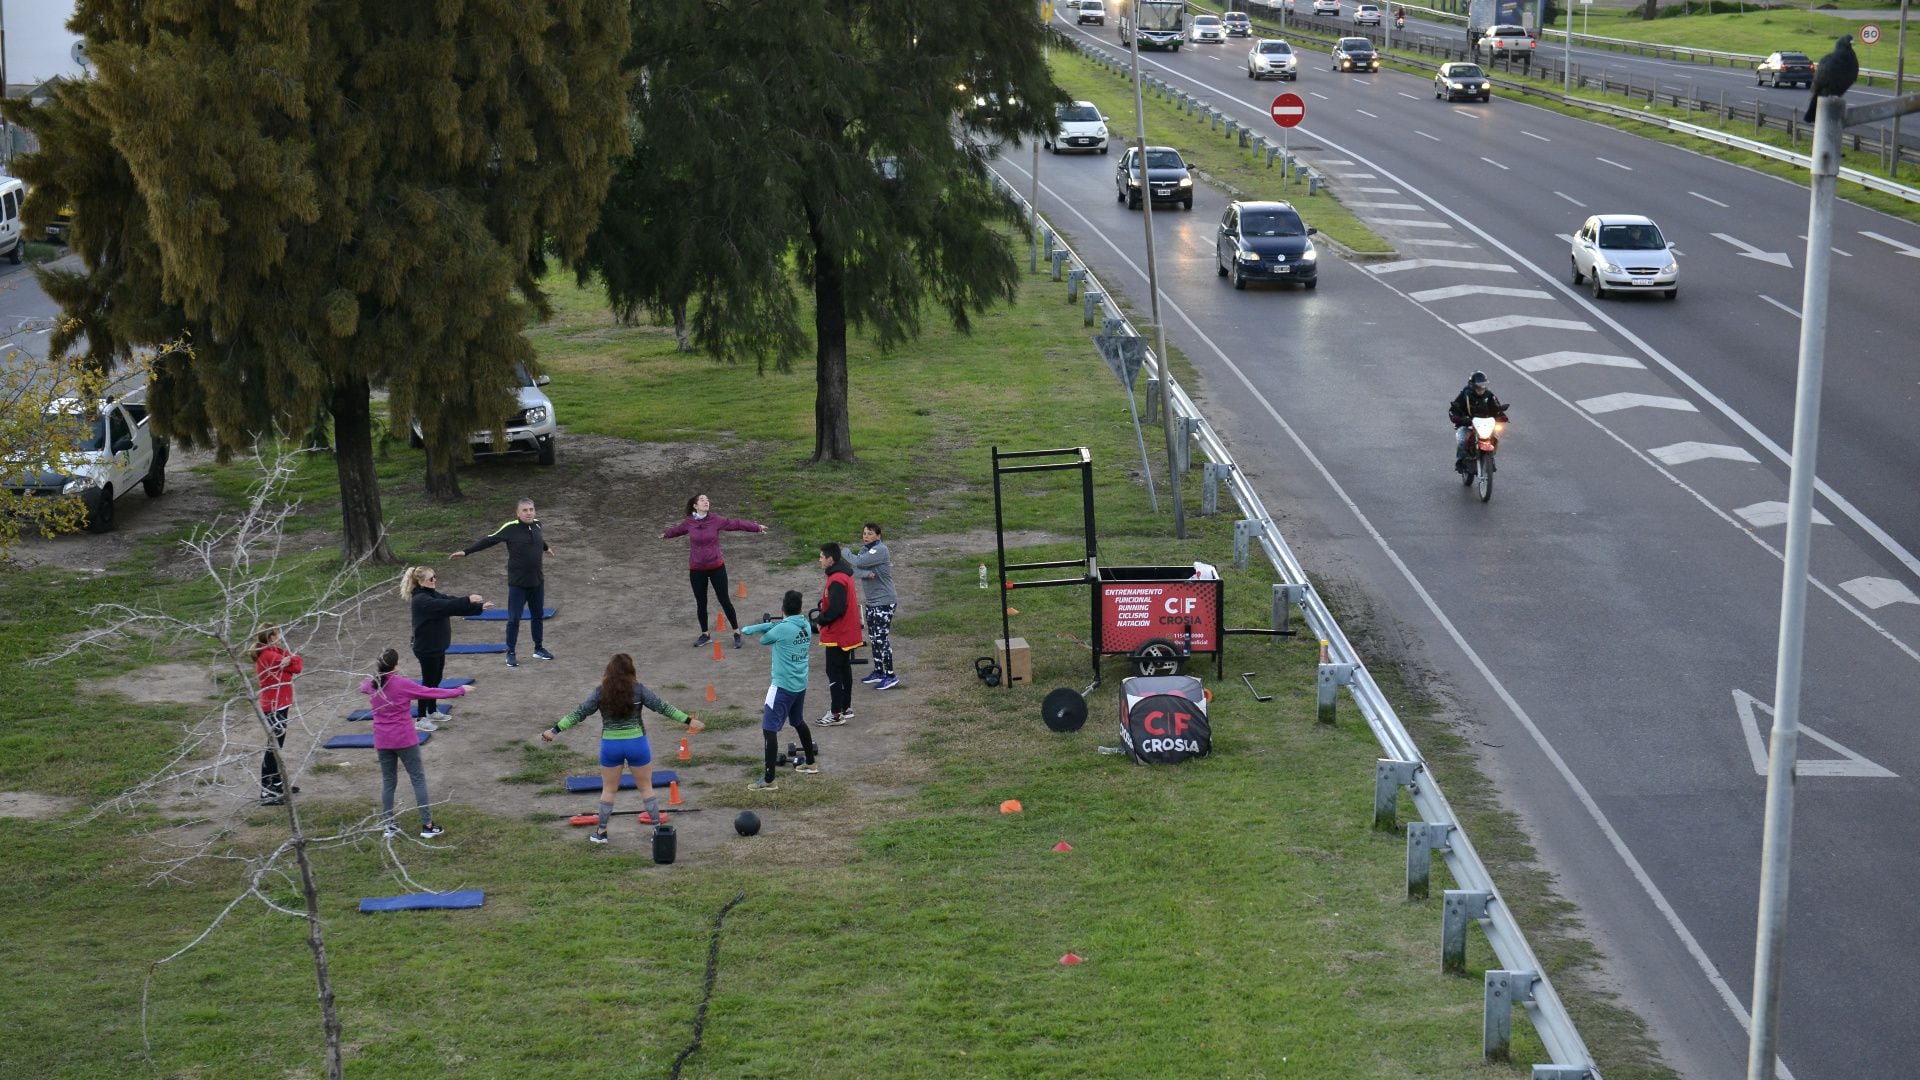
x=791, y=640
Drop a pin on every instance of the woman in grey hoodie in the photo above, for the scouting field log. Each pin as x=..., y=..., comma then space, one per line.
x=873, y=565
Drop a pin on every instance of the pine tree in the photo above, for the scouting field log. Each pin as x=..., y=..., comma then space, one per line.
x=343, y=194
x=821, y=140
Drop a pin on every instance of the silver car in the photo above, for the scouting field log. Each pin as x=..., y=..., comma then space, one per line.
x=1626, y=252
x=1271, y=58
x=1208, y=30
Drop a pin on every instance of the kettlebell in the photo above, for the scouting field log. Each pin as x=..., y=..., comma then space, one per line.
x=987, y=671
x=664, y=843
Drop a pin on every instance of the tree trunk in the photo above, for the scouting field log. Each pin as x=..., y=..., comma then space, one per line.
x=681, y=341
x=1651, y=10
x=832, y=440
x=363, y=527
x=443, y=478
x=317, y=944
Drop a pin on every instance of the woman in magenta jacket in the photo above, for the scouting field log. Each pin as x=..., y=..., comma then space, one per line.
x=705, y=566
x=397, y=741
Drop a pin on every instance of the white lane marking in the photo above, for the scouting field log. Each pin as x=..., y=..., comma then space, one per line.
x=1903, y=248
x=1760, y=515
x=1410, y=223
x=1836, y=251
x=1496, y=164
x=1319, y=95
x=1356, y=176
x=1439, y=264
x=1386, y=205
x=1515, y=322
x=1779, y=305
x=1851, y=764
x=1878, y=592
x=1336, y=161
x=1571, y=199
x=1607, y=403
x=1424, y=135
x=1408, y=96
x=1377, y=190
x=1615, y=164
x=1618, y=843
x=1452, y=291
x=1777, y=258
x=1549, y=361
x=1704, y=198
x=1682, y=453
x=1362, y=82
x=1531, y=135
x=1365, y=113
x=1430, y=242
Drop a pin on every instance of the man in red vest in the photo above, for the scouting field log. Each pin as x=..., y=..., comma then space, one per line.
x=838, y=620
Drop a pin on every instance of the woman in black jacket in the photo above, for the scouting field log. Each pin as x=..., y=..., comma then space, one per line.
x=432, y=630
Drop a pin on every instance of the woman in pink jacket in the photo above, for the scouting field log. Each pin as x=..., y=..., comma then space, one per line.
x=702, y=528
x=397, y=741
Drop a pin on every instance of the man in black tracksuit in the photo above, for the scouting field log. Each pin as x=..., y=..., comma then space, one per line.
x=526, y=585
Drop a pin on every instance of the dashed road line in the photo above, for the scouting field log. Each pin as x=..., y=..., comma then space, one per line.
x=1779, y=305
x=1424, y=135
x=1410, y=223
x=1365, y=113
x=1376, y=190
x=1319, y=95
x=1496, y=164
x=1681, y=453
x=1431, y=242
x=1837, y=251
x=1715, y=202
x=1571, y=199
x=1615, y=164
x=1615, y=402
x=1387, y=205
x=1531, y=135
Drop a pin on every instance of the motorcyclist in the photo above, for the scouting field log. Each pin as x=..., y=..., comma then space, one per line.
x=1475, y=399
x=1399, y=17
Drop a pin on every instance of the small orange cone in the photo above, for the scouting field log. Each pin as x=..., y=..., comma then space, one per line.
x=1011, y=806
x=673, y=793
x=1073, y=958
x=717, y=654
x=740, y=590
x=584, y=819
x=711, y=696
x=720, y=622
x=685, y=753
x=1063, y=846
x=1011, y=610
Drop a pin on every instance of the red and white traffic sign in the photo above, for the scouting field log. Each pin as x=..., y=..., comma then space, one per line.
x=1289, y=110
x=1870, y=34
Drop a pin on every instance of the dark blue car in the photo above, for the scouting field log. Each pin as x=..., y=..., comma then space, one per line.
x=1265, y=241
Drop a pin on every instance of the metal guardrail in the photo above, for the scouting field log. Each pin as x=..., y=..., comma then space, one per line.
x=1521, y=980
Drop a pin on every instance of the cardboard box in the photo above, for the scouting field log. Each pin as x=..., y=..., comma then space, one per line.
x=1015, y=660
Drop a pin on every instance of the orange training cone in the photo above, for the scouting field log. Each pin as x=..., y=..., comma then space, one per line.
x=711, y=696
x=673, y=793
x=740, y=590
x=1011, y=806
x=720, y=622
x=1063, y=846
x=685, y=754
x=1072, y=958
x=584, y=819
x=717, y=654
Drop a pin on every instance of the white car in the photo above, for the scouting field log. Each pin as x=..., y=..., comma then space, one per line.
x=1366, y=15
x=1090, y=11
x=1625, y=252
x=530, y=429
x=1271, y=58
x=1208, y=30
x=1081, y=128
x=1326, y=7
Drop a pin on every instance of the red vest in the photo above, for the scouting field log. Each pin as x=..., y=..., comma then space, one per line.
x=843, y=632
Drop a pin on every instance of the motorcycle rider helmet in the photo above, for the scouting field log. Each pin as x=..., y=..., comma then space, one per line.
x=1478, y=380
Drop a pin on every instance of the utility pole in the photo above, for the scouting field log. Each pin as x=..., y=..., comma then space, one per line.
x=6, y=126
x=1899, y=86
x=1033, y=189
x=1153, y=281
x=1776, y=852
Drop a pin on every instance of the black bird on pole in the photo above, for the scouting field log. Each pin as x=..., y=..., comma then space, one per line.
x=1834, y=75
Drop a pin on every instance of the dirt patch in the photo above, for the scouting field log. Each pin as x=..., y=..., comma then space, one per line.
x=175, y=684
x=29, y=804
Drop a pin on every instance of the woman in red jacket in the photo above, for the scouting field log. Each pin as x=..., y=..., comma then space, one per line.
x=274, y=667
x=705, y=566
x=838, y=618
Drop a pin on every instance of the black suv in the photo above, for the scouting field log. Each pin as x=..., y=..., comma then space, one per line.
x=1265, y=241
x=1784, y=69
x=1167, y=177
x=1355, y=54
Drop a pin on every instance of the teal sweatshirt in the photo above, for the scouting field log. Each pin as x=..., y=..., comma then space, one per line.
x=791, y=640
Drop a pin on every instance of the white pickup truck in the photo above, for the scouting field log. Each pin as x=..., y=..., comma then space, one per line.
x=1507, y=41
x=108, y=456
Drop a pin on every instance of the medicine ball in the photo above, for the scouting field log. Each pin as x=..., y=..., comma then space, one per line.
x=747, y=823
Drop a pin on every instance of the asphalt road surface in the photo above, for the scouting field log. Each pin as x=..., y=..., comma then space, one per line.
x=1607, y=623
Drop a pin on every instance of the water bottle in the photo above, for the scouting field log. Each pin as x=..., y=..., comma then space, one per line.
x=983, y=575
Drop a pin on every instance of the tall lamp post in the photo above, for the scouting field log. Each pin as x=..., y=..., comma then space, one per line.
x=1153, y=279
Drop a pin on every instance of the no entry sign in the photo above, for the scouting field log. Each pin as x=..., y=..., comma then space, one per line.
x=1288, y=110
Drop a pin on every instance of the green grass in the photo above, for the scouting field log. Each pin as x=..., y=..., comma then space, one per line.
x=1756, y=32
x=1209, y=150
x=1237, y=914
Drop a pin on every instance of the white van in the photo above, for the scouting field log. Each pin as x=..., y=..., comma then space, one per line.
x=12, y=194
x=1090, y=11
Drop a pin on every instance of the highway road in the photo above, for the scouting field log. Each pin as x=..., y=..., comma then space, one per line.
x=1607, y=623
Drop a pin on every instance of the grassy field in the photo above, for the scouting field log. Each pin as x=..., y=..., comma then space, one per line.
x=1238, y=916
x=1757, y=32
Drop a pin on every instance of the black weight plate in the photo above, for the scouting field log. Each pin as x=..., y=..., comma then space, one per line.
x=1064, y=710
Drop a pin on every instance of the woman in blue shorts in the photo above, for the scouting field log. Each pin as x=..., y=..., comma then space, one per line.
x=619, y=699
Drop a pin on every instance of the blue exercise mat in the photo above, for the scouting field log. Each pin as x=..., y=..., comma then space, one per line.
x=361, y=742
x=367, y=714
x=465, y=898
x=661, y=778
x=500, y=614
x=448, y=684
x=478, y=647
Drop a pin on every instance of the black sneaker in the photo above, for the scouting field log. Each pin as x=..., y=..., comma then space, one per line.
x=704, y=639
x=272, y=800
x=736, y=639
x=430, y=832
x=541, y=654
x=513, y=658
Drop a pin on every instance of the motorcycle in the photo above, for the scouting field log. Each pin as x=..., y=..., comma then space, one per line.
x=1477, y=468
x=1399, y=22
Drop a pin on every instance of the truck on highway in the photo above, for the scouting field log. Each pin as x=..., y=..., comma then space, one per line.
x=1154, y=24
x=1495, y=31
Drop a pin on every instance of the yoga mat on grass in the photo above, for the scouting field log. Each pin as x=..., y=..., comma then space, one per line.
x=500, y=614
x=361, y=742
x=478, y=647
x=367, y=714
x=661, y=778
x=449, y=684
x=464, y=898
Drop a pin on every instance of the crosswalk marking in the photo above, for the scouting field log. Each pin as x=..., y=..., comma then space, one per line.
x=1607, y=403
x=1681, y=453
x=1549, y=361
x=1514, y=322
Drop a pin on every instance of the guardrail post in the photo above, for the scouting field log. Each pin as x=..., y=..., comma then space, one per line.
x=1074, y=278
x=1285, y=597
x=1214, y=473
x=1233, y=127
x=1244, y=531
x=1190, y=430
x=1059, y=257
x=1504, y=989
x=1153, y=399
x=1113, y=326
x=1094, y=299
x=1457, y=908
x=1313, y=182
x=1332, y=677
x=1562, y=1072
x=1389, y=776
x=1423, y=839
x=1245, y=139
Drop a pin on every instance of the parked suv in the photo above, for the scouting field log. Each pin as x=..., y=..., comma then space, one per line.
x=1355, y=54
x=1167, y=177
x=1784, y=69
x=1090, y=11
x=1265, y=241
x=1624, y=251
x=1271, y=58
x=530, y=428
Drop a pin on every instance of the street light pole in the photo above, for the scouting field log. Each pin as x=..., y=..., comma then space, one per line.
x=1899, y=85
x=1153, y=281
x=1033, y=189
